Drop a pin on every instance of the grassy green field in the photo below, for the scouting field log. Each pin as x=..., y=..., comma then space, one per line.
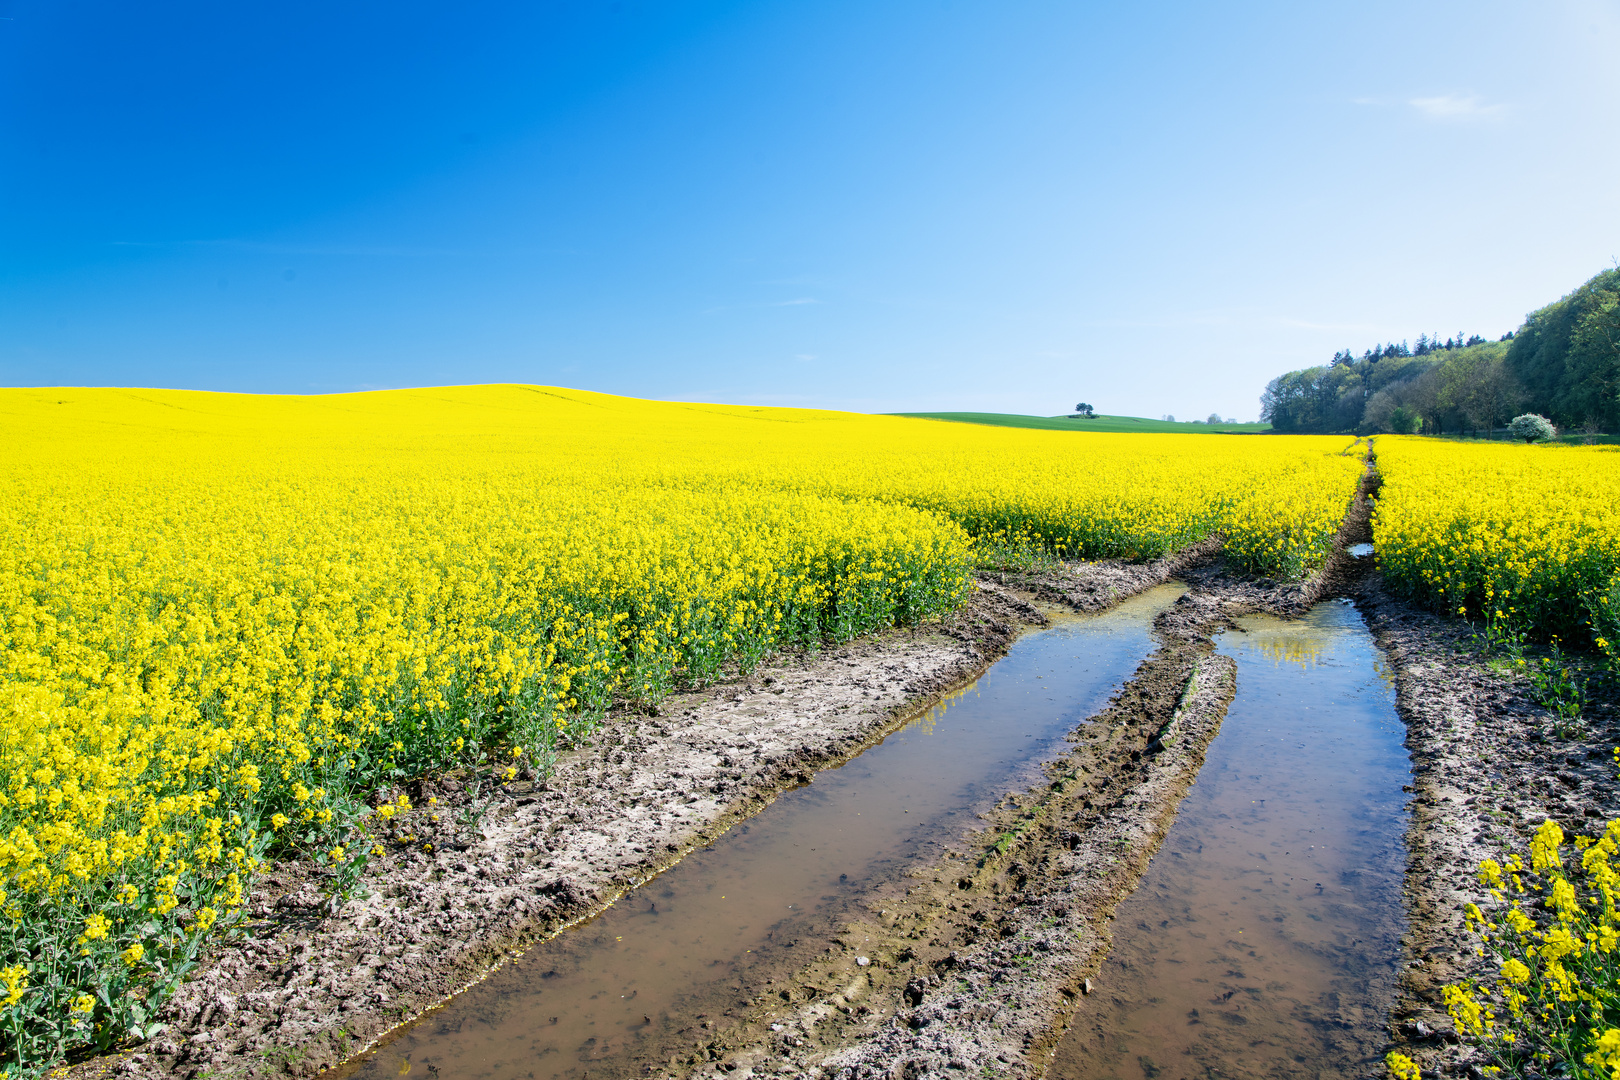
x=1100, y=423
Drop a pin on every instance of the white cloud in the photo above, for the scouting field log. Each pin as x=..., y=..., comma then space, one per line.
x=796, y=303
x=1454, y=107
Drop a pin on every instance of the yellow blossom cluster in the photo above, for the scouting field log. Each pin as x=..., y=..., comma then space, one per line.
x=227, y=618
x=1524, y=536
x=1552, y=1005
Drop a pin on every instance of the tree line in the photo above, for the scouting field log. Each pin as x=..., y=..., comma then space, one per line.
x=1563, y=363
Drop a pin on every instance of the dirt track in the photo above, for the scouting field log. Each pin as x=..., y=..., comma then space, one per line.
x=976, y=966
x=305, y=988
x=976, y=963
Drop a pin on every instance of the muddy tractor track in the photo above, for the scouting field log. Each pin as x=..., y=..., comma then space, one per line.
x=976, y=960
x=976, y=966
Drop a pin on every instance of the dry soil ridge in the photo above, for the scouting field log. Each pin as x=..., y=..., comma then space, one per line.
x=975, y=969
x=305, y=988
x=1488, y=770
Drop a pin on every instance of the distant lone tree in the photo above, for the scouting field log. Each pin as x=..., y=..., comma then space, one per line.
x=1086, y=411
x=1169, y=419
x=1214, y=418
x=1532, y=428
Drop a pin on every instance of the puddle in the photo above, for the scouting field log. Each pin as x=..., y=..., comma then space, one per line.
x=1360, y=551
x=646, y=976
x=1264, y=938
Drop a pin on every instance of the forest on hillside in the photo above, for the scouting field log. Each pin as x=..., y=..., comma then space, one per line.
x=1563, y=362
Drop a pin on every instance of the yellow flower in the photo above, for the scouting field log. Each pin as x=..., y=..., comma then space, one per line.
x=1544, y=847
x=1606, y=1051
x=1465, y=1011
x=16, y=980
x=1401, y=1067
x=133, y=955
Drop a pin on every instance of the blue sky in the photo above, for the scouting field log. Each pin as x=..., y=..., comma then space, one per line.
x=950, y=204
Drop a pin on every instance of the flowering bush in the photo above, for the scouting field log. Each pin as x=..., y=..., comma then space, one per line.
x=1532, y=428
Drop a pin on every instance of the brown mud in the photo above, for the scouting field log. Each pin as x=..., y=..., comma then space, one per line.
x=476, y=873
x=977, y=961
x=1489, y=767
x=975, y=967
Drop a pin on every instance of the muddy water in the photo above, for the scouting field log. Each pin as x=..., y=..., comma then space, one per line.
x=1263, y=940
x=645, y=979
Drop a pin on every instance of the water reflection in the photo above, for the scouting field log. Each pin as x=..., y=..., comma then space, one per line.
x=645, y=977
x=1264, y=937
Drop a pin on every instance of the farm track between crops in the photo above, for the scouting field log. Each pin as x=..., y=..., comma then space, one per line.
x=304, y=989
x=955, y=980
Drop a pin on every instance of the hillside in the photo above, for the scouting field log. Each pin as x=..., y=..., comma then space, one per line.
x=1100, y=423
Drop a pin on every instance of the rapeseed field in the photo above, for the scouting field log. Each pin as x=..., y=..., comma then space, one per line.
x=1520, y=538
x=227, y=619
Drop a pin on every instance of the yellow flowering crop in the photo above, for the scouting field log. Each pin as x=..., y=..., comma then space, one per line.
x=1557, y=989
x=1402, y=1067
x=1527, y=536
x=227, y=618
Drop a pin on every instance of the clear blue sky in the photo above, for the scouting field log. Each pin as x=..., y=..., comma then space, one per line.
x=950, y=204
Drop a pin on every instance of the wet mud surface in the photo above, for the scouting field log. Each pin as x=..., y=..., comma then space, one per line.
x=490, y=872
x=1489, y=767
x=976, y=967
x=1265, y=937
x=977, y=949
x=628, y=988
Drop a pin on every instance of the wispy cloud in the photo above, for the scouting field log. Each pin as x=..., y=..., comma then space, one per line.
x=1442, y=107
x=1455, y=107
x=805, y=357
x=796, y=303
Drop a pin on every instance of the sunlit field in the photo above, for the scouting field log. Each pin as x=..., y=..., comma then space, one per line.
x=229, y=618
x=1520, y=537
